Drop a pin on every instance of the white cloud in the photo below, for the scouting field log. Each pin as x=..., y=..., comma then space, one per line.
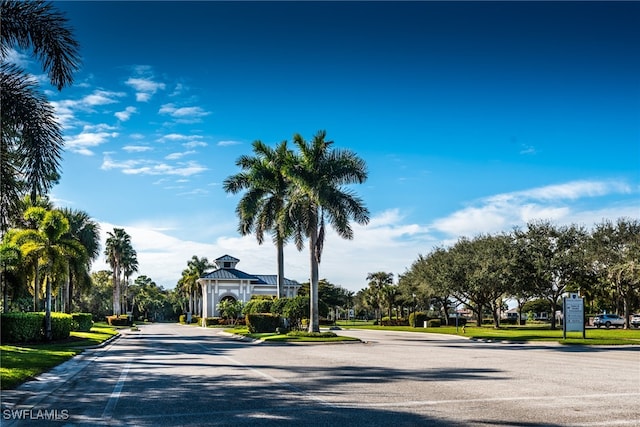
x=504, y=211
x=228, y=143
x=125, y=115
x=194, y=144
x=101, y=97
x=176, y=156
x=66, y=109
x=152, y=167
x=136, y=148
x=20, y=59
x=91, y=136
x=145, y=87
x=187, y=114
x=190, y=141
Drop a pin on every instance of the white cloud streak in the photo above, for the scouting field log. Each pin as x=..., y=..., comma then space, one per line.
x=145, y=87
x=504, y=211
x=125, y=115
x=152, y=167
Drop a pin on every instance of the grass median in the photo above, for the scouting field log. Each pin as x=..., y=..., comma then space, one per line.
x=522, y=334
x=22, y=362
x=292, y=337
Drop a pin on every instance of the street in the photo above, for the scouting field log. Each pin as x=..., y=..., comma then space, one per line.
x=175, y=375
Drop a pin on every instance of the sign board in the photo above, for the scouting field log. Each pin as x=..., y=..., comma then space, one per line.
x=573, y=314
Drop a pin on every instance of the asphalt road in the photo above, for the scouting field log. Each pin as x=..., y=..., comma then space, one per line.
x=173, y=375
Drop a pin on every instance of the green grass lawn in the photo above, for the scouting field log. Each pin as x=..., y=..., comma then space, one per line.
x=21, y=362
x=526, y=333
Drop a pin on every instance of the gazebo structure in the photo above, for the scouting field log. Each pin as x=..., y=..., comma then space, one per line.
x=227, y=282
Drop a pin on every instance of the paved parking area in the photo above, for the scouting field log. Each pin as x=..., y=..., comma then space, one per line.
x=168, y=375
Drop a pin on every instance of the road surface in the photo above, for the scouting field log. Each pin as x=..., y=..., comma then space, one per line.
x=175, y=375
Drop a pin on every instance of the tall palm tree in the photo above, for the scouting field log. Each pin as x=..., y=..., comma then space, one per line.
x=51, y=244
x=129, y=266
x=262, y=208
x=117, y=245
x=319, y=175
x=31, y=139
x=86, y=231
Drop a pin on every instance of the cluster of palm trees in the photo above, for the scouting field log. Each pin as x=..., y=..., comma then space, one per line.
x=54, y=247
x=293, y=195
x=123, y=260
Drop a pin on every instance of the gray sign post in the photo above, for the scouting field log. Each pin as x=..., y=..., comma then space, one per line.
x=573, y=315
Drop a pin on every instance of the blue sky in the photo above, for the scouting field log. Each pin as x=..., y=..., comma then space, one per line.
x=472, y=117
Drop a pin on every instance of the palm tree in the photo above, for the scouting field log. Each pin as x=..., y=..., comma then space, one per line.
x=318, y=175
x=52, y=246
x=11, y=262
x=129, y=266
x=87, y=232
x=31, y=139
x=262, y=208
x=196, y=267
x=378, y=281
x=117, y=245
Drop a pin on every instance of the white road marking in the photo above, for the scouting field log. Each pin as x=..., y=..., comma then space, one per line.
x=115, y=394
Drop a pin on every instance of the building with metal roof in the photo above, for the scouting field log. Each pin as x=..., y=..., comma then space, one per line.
x=227, y=282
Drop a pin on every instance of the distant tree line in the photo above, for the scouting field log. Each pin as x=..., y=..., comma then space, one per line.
x=541, y=261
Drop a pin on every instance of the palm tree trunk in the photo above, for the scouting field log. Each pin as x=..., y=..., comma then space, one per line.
x=36, y=288
x=47, y=315
x=116, y=290
x=67, y=289
x=279, y=291
x=314, y=323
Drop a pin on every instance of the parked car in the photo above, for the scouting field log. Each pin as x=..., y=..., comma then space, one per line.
x=608, y=320
x=635, y=320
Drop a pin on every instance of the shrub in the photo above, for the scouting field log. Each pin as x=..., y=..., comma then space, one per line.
x=213, y=321
x=196, y=319
x=60, y=325
x=394, y=322
x=82, y=322
x=182, y=318
x=434, y=323
x=262, y=322
x=22, y=327
x=258, y=306
x=122, y=320
x=417, y=319
x=296, y=309
x=278, y=306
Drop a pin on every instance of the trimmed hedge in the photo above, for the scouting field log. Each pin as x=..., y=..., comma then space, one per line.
x=60, y=326
x=122, y=320
x=212, y=321
x=394, y=322
x=25, y=327
x=434, y=323
x=22, y=327
x=82, y=322
x=262, y=322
